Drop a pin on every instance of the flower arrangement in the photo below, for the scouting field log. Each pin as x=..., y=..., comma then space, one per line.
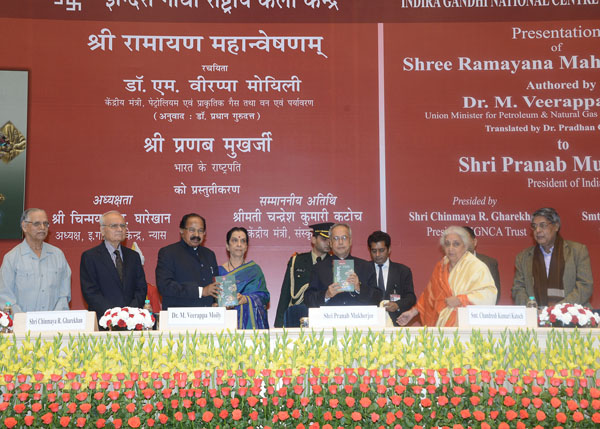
x=568, y=315
x=313, y=398
x=127, y=318
x=5, y=322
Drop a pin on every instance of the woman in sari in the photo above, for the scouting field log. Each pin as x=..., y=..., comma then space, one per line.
x=458, y=280
x=252, y=294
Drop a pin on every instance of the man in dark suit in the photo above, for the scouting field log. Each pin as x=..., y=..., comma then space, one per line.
x=491, y=263
x=111, y=275
x=393, y=278
x=323, y=291
x=186, y=270
x=291, y=305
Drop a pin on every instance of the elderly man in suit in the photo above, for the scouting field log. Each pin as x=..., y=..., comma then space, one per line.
x=491, y=263
x=554, y=270
x=186, y=270
x=112, y=275
x=393, y=278
x=322, y=289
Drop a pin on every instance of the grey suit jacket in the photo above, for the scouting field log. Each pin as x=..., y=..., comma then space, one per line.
x=577, y=278
x=492, y=264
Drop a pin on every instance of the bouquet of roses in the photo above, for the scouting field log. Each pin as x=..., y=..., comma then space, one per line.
x=568, y=315
x=130, y=318
x=5, y=322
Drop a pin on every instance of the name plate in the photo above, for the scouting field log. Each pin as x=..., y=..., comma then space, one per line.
x=477, y=316
x=346, y=317
x=178, y=318
x=55, y=321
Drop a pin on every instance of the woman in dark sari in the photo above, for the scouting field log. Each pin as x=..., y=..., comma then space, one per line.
x=252, y=293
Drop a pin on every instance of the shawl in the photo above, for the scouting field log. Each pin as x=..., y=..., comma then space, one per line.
x=470, y=281
x=554, y=279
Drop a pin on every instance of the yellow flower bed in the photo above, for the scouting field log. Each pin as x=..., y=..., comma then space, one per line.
x=429, y=348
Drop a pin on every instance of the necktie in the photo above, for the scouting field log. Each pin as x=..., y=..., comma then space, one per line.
x=318, y=259
x=380, y=281
x=119, y=265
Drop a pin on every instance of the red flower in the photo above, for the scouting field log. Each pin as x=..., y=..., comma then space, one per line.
x=118, y=423
x=509, y=401
x=511, y=415
x=442, y=400
x=555, y=402
x=540, y=415
x=81, y=421
x=64, y=421
x=10, y=422
x=327, y=416
x=207, y=416
x=465, y=414
x=561, y=417
x=222, y=414
x=577, y=416
x=596, y=418
x=479, y=416
x=19, y=408
x=350, y=401
x=29, y=420
x=100, y=423
x=356, y=416
x=409, y=401
x=365, y=402
x=47, y=418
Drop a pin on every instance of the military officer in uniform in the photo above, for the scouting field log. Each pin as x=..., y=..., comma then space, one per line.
x=291, y=305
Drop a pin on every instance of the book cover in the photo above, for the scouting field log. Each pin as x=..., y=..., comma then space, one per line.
x=342, y=268
x=228, y=297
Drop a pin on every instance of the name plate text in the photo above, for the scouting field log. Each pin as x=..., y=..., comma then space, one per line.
x=350, y=316
x=41, y=321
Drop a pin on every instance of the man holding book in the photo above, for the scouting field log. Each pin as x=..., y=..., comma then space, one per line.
x=342, y=279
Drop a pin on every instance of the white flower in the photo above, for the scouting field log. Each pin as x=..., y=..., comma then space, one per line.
x=569, y=314
x=127, y=317
x=4, y=320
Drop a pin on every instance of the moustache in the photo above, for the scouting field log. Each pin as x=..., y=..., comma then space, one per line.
x=195, y=238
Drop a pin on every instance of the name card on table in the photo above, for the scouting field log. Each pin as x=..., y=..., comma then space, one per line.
x=182, y=318
x=480, y=316
x=55, y=321
x=347, y=317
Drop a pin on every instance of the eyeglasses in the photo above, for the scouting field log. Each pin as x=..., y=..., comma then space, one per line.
x=541, y=225
x=37, y=223
x=340, y=238
x=116, y=225
x=194, y=230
